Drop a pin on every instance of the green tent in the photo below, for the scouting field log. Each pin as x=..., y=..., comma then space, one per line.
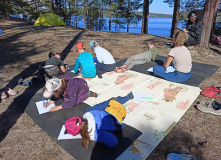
x=49, y=19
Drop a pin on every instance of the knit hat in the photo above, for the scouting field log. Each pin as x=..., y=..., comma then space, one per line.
x=93, y=43
x=72, y=126
x=80, y=46
x=51, y=85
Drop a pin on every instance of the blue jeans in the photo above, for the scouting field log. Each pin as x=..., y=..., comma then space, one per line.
x=105, y=67
x=175, y=76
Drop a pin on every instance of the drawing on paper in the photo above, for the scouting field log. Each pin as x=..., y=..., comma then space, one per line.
x=170, y=93
x=124, y=77
x=158, y=135
x=132, y=105
x=127, y=86
x=153, y=85
x=133, y=148
x=150, y=116
x=183, y=105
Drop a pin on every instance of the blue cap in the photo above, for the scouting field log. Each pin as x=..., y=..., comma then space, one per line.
x=93, y=43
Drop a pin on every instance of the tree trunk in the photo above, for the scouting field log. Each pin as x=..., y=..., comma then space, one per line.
x=145, y=17
x=75, y=12
x=110, y=17
x=175, y=17
x=85, y=14
x=92, y=18
x=210, y=8
x=128, y=10
x=52, y=6
x=99, y=14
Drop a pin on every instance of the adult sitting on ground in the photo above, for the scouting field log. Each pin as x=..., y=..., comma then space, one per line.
x=54, y=66
x=105, y=61
x=194, y=28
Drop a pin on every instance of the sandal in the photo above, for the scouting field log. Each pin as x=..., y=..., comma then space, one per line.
x=175, y=156
x=10, y=91
x=3, y=95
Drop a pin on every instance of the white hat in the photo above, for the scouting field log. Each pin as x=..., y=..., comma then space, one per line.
x=51, y=86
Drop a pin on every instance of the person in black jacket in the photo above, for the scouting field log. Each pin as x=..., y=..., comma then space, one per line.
x=194, y=28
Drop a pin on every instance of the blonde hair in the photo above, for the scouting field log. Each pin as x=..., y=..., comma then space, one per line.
x=84, y=133
x=180, y=38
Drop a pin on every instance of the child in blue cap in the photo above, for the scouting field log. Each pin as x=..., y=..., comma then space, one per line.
x=105, y=61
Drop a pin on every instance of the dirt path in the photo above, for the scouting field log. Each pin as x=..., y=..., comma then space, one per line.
x=24, y=46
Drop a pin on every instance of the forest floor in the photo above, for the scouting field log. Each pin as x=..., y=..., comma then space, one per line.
x=24, y=46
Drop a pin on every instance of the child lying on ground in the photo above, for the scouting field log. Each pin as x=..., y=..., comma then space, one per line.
x=71, y=90
x=99, y=122
x=84, y=63
x=141, y=58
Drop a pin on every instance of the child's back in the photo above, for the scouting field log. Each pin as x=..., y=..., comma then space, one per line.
x=86, y=64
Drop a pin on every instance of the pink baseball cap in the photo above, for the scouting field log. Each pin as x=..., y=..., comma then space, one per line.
x=72, y=126
x=51, y=85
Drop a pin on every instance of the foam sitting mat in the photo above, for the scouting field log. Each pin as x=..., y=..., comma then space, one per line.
x=155, y=117
x=157, y=107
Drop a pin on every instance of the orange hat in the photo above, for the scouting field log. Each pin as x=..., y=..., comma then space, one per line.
x=80, y=46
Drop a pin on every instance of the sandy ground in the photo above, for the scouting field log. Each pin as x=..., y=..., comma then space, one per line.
x=23, y=47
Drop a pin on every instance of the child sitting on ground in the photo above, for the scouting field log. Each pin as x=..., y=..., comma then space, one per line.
x=105, y=61
x=180, y=71
x=54, y=66
x=71, y=90
x=84, y=63
x=141, y=58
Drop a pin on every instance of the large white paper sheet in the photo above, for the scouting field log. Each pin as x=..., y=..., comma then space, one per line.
x=63, y=136
x=42, y=109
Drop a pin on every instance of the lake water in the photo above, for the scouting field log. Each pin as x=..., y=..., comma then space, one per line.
x=157, y=26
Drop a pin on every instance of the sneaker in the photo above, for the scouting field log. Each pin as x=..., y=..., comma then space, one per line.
x=211, y=107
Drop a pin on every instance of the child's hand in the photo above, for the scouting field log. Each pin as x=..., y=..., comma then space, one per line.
x=47, y=103
x=56, y=108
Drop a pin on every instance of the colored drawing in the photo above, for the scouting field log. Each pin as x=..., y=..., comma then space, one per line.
x=124, y=77
x=156, y=103
x=159, y=135
x=150, y=116
x=132, y=106
x=127, y=86
x=182, y=105
x=170, y=93
x=133, y=148
x=151, y=86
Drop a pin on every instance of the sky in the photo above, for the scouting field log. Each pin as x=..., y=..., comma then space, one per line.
x=158, y=6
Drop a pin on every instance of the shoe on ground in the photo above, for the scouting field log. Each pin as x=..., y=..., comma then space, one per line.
x=211, y=93
x=211, y=107
x=211, y=88
x=175, y=156
x=190, y=47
